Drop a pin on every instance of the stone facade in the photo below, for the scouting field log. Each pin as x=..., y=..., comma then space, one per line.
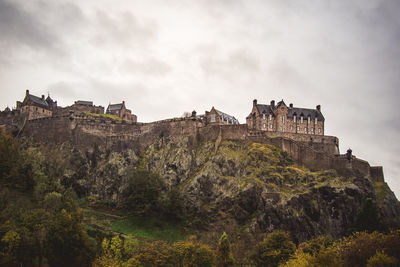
x=283, y=118
x=121, y=111
x=218, y=117
x=33, y=107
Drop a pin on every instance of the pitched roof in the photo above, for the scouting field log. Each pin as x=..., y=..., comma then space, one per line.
x=82, y=102
x=313, y=113
x=112, y=107
x=225, y=117
x=264, y=109
x=39, y=101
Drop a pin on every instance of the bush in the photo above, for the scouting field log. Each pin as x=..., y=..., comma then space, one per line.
x=275, y=249
x=143, y=193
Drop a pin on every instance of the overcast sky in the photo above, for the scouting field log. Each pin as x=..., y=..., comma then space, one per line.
x=166, y=57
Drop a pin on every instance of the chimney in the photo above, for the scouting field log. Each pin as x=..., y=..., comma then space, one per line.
x=319, y=108
x=42, y=97
x=27, y=92
x=272, y=103
x=291, y=105
x=254, y=102
x=194, y=113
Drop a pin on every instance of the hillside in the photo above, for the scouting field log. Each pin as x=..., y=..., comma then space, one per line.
x=175, y=190
x=246, y=189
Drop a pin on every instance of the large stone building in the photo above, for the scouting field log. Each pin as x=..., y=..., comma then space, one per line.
x=218, y=117
x=34, y=107
x=121, y=111
x=283, y=118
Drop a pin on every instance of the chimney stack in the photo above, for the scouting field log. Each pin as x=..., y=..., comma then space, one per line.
x=27, y=92
x=42, y=97
x=319, y=108
x=194, y=113
x=272, y=103
x=291, y=105
x=254, y=102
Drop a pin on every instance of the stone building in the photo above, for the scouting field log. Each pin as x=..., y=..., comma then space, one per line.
x=34, y=107
x=283, y=118
x=87, y=106
x=218, y=117
x=121, y=111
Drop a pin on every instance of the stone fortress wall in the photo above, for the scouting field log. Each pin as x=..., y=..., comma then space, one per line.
x=315, y=152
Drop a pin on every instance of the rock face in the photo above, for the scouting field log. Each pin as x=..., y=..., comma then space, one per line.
x=247, y=189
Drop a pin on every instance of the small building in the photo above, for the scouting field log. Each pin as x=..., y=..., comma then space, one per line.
x=218, y=117
x=121, y=111
x=283, y=118
x=36, y=107
x=81, y=106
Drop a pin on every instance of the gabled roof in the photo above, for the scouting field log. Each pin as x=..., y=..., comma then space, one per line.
x=228, y=117
x=112, y=107
x=264, y=109
x=39, y=101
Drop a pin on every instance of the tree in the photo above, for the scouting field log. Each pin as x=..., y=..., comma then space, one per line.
x=190, y=254
x=275, y=249
x=66, y=241
x=142, y=195
x=224, y=254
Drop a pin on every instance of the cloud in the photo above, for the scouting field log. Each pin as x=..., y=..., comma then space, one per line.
x=123, y=29
x=150, y=66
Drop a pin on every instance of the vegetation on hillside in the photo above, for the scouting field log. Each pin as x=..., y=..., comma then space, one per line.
x=43, y=222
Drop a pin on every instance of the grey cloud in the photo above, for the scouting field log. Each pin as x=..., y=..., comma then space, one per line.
x=19, y=27
x=240, y=62
x=125, y=30
x=149, y=66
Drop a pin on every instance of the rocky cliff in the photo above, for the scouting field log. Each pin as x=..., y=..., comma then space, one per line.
x=246, y=189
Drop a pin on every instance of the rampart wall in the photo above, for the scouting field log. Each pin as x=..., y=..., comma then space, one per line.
x=320, y=152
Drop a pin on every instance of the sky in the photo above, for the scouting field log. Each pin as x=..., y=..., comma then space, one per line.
x=167, y=57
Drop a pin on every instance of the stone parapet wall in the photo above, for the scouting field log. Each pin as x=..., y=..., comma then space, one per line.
x=84, y=132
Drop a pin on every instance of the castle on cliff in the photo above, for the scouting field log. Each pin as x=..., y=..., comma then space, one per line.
x=297, y=131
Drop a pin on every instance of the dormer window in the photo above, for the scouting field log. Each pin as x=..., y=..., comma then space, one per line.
x=270, y=117
x=294, y=118
x=301, y=119
x=309, y=119
x=264, y=116
x=316, y=120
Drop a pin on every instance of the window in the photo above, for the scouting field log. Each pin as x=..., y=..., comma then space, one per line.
x=281, y=129
x=270, y=126
x=301, y=119
x=263, y=116
x=283, y=119
x=298, y=128
x=212, y=117
x=305, y=129
x=319, y=130
x=270, y=117
x=291, y=127
x=312, y=129
x=316, y=120
x=308, y=119
x=264, y=125
x=294, y=119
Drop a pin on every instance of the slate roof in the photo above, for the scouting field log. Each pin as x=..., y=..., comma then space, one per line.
x=313, y=113
x=225, y=116
x=112, y=107
x=39, y=101
x=85, y=103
